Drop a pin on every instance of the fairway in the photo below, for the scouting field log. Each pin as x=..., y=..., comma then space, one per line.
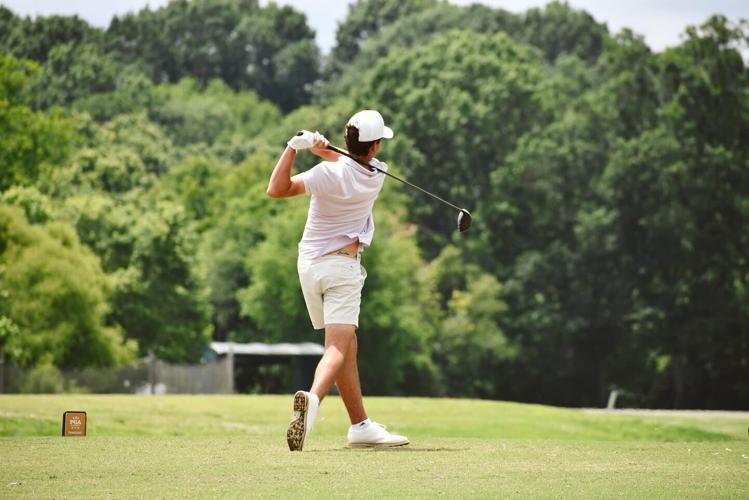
x=234, y=446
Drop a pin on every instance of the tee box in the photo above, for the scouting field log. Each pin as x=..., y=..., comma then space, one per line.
x=74, y=423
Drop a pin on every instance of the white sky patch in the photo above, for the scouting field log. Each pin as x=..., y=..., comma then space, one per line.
x=661, y=22
x=96, y=12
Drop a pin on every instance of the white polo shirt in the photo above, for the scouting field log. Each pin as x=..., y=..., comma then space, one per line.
x=340, y=211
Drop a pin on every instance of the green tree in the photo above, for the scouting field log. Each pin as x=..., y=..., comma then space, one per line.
x=30, y=141
x=365, y=19
x=194, y=184
x=36, y=205
x=559, y=29
x=557, y=254
x=685, y=229
x=35, y=38
x=73, y=71
x=10, y=339
x=470, y=349
x=127, y=153
x=267, y=49
x=55, y=297
x=374, y=29
x=412, y=29
x=704, y=78
x=470, y=346
x=210, y=117
x=8, y=22
x=104, y=225
x=679, y=210
x=239, y=217
x=395, y=332
x=132, y=93
x=148, y=245
x=607, y=231
x=551, y=240
x=159, y=299
x=478, y=93
x=628, y=74
x=272, y=299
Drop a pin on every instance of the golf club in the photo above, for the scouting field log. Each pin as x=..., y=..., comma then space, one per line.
x=464, y=216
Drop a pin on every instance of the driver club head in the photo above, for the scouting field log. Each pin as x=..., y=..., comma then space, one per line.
x=464, y=220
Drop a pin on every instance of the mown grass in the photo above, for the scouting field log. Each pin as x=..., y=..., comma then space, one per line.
x=234, y=446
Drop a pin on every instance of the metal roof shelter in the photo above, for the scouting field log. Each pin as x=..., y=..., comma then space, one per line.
x=260, y=349
x=245, y=359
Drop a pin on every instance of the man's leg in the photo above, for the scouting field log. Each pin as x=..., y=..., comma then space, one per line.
x=349, y=387
x=339, y=365
x=363, y=433
x=338, y=341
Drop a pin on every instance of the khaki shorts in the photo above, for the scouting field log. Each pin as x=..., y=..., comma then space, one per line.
x=332, y=286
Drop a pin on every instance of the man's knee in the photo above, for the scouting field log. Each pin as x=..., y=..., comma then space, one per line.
x=340, y=336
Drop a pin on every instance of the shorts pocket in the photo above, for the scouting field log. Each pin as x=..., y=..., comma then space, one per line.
x=340, y=272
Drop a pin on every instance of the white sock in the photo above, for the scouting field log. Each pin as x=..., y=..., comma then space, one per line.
x=313, y=397
x=362, y=425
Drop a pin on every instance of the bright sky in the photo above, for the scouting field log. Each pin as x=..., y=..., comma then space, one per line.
x=659, y=21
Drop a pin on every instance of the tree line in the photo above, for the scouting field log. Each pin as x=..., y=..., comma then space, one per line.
x=609, y=187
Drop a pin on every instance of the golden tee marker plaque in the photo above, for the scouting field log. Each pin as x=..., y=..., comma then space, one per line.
x=74, y=423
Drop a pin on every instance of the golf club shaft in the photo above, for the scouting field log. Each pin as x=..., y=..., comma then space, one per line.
x=372, y=167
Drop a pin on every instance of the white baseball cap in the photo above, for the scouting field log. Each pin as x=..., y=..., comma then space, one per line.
x=371, y=126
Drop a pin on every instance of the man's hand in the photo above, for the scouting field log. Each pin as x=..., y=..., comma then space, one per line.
x=306, y=140
x=315, y=142
x=320, y=146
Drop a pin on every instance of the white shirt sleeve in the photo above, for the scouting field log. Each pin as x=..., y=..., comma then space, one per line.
x=319, y=179
x=380, y=164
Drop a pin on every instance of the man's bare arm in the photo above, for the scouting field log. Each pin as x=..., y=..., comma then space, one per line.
x=282, y=184
x=325, y=153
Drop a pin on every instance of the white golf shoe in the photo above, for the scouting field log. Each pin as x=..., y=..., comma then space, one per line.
x=305, y=411
x=374, y=436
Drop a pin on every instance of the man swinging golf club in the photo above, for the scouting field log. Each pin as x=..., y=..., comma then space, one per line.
x=339, y=226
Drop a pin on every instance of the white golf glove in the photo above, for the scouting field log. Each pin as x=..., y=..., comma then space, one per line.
x=306, y=139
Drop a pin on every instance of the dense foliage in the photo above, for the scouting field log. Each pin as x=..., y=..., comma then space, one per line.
x=609, y=187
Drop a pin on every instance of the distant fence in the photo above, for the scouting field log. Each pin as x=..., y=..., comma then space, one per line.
x=141, y=378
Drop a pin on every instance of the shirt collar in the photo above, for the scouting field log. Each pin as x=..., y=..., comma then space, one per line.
x=355, y=164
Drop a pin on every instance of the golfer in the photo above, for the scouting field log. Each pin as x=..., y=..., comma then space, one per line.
x=339, y=226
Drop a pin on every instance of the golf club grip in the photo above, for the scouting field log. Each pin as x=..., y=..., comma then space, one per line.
x=372, y=167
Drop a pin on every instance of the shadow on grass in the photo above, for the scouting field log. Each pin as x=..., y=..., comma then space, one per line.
x=391, y=449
